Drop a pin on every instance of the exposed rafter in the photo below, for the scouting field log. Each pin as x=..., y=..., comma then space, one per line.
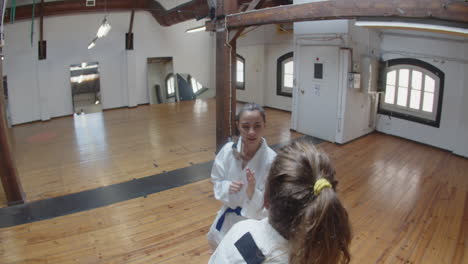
x=190, y=10
x=446, y=10
x=194, y=9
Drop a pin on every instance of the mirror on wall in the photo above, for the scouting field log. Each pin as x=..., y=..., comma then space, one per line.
x=166, y=86
x=162, y=84
x=86, y=89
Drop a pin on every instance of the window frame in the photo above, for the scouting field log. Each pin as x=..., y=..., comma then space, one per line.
x=170, y=75
x=240, y=86
x=280, y=72
x=407, y=113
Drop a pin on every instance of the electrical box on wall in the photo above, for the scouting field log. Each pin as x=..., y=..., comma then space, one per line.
x=354, y=80
x=90, y=2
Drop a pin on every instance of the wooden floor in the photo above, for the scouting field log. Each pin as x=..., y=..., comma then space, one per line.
x=408, y=203
x=71, y=154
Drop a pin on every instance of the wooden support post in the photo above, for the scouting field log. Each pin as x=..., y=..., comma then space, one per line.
x=8, y=172
x=234, y=34
x=224, y=76
x=233, y=86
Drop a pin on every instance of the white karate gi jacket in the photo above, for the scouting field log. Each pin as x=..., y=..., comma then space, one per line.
x=273, y=247
x=227, y=168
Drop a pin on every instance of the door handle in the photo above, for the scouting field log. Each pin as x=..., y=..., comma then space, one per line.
x=302, y=91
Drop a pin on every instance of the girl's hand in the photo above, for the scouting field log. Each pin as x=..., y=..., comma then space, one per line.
x=250, y=183
x=235, y=187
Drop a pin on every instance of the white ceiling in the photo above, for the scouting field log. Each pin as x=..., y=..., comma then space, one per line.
x=169, y=4
x=446, y=36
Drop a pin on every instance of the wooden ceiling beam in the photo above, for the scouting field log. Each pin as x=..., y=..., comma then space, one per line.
x=446, y=10
x=237, y=32
x=190, y=10
x=71, y=7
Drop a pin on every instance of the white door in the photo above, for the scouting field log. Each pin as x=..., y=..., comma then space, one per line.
x=317, y=96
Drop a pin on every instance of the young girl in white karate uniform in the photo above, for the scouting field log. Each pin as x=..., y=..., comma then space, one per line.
x=239, y=172
x=306, y=223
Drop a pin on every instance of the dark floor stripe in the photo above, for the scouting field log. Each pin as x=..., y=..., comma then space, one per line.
x=99, y=197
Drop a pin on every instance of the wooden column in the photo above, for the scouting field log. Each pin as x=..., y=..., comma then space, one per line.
x=224, y=62
x=233, y=85
x=8, y=172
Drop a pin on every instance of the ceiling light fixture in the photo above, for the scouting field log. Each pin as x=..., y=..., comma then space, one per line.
x=104, y=28
x=195, y=29
x=92, y=43
x=412, y=25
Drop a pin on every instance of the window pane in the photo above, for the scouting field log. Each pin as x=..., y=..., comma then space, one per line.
x=170, y=86
x=416, y=80
x=402, y=96
x=289, y=67
x=288, y=81
x=194, y=85
x=403, y=77
x=428, y=102
x=240, y=66
x=390, y=94
x=415, y=99
x=429, y=86
x=391, y=78
x=240, y=77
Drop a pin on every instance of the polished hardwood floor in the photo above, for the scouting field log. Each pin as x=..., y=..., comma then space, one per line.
x=408, y=203
x=71, y=154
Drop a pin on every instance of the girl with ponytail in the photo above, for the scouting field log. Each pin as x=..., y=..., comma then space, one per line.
x=306, y=223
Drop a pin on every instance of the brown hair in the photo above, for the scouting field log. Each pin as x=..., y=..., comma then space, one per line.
x=251, y=107
x=317, y=226
x=245, y=108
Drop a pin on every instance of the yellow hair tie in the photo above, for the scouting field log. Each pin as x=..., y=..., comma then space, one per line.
x=320, y=184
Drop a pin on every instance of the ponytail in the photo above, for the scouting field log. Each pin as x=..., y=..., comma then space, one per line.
x=323, y=235
x=316, y=224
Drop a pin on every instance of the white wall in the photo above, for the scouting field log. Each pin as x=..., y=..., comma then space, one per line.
x=452, y=131
x=319, y=27
x=272, y=53
x=39, y=90
x=254, y=74
x=357, y=105
x=461, y=146
x=261, y=48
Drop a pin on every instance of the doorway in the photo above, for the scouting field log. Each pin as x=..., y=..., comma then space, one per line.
x=86, y=88
x=162, y=85
x=317, y=100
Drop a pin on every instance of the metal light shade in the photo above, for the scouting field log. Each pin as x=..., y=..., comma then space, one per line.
x=103, y=29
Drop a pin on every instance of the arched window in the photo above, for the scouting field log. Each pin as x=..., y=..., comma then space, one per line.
x=285, y=75
x=170, y=85
x=196, y=86
x=413, y=91
x=240, y=72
